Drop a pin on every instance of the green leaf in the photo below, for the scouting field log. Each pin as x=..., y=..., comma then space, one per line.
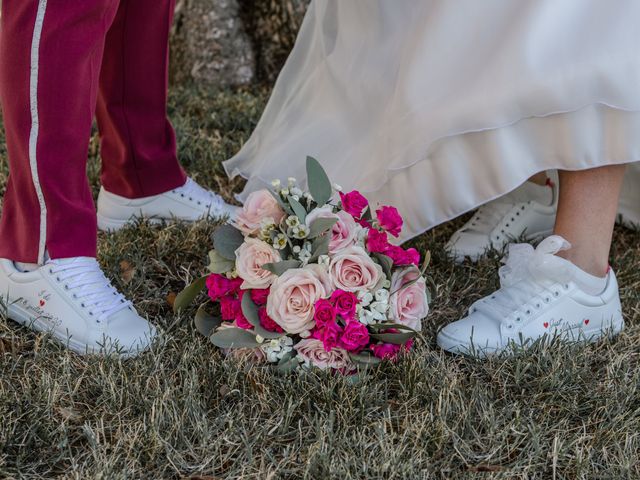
x=319, y=184
x=388, y=325
x=279, y=268
x=385, y=262
x=287, y=364
x=364, y=359
x=219, y=264
x=226, y=240
x=250, y=311
x=205, y=322
x=395, y=338
x=284, y=206
x=189, y=294
x=366, y=215
x=320, y=246
x=298, y=209
x=425, y=264
x=320, y=226
x=234, y=338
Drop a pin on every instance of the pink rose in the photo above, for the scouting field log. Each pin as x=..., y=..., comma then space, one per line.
x=329, y=335
x=312, y=351
x=390, y=220
x=259, y=205
x=229, y=308
x=343, y=234
x=345, y=303
x=401, y=256
x=377, y=241
x=259, y=296
x=325, y=313
x=353, y=270
x=250, y=257
x=355, y=336
x=353, y=203
x=267, y=322
x=408, y=305
x=218, y=286
x=293, y=296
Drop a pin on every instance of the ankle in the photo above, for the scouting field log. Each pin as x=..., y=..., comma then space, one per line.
x=587, y=261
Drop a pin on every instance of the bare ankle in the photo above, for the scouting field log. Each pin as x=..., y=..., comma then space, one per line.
x=587, y=261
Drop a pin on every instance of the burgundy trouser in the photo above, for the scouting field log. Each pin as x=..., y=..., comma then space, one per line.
x=61, y=63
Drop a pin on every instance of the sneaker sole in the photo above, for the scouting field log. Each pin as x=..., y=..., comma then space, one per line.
x=18, y=315
x=593, y=335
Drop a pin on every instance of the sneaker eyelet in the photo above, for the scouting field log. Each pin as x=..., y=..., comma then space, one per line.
x=537, y=305
x=510, y=326
x=51, y=270
x=83, y=305
x=91, y=314
x=66, y=287
x=566, y=286
x=182, y=195
x=556, y=294
x=519, y=319
x=57, y=279
x=528, y=312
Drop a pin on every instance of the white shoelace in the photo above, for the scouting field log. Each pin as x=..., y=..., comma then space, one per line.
x=85, y=281
x=202, y=196
x=530, y=278
x=489, y=216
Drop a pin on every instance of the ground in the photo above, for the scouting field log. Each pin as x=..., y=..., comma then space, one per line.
x=182, y=410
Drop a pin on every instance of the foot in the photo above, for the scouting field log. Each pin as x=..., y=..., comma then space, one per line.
x=74, y=301
x=188, y=203
x=540, y=295
x=528, y=211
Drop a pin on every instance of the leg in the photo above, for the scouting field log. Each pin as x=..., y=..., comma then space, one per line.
x=587, y=210
x=138, y=143
x=50, y=55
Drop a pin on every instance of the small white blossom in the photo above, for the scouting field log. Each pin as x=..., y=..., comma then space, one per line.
x=379, y=310
x=284, y=192
x=300, y=231
x=382, y=295
x=365, y=298
x=305, y=334
x=296, y=249
x=337, y=187
x=275, y=183
x=366, y=317
x=292, y=221
x=297, y=192
x=280, y=241
x=386, y=284
x=292, y=181
x=308, y=196
x=277, y=348
x=296, y=197
x=259, y=339
x=324, y=260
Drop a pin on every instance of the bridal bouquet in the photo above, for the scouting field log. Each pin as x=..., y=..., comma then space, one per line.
x=309, y=279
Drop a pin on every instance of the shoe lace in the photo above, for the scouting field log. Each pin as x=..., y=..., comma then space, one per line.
x=529, y=278
x=489, y=216
x=202, y=196
x=85, y=281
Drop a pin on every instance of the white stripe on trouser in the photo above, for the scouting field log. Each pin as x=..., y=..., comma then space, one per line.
x=35, y=124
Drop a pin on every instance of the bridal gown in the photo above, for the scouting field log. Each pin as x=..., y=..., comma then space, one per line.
x=438, y=106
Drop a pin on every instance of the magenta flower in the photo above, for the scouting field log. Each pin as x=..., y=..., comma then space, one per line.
x=324, y=313
x=259, y=296
x=390, y=220
x=329, y=335
x=400, y=256
x=355, y=336
x=377, y=241
x=242, y=322
x=267, y=322
x=229, y=308
x=354, y=203
x=218, y=286
x=390, y=351
x=345, y=303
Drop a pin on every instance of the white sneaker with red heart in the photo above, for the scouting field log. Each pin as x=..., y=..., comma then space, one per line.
x=528, y=211
x=73, y=300
x=540, y=295
x=188, y=203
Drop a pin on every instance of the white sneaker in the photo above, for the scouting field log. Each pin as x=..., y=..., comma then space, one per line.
x=74, y=301
x=540, y=295
x=188, y=203
x=530, y=210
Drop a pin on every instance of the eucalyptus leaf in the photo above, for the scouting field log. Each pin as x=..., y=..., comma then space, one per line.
x=364, y=359
x=319, y=183
x=234, y=338
x=205, y=322
x=288, y=364
x=388, y=325
x=366, y=215
x=226, y=240
x=189, y=294
x=250, y=311
x=385, y=262
x=298, y=209
x=219, y=264
x=320, y=226
x=396, y=338
x=320, y=246
x=279, y=268
x=281, y=202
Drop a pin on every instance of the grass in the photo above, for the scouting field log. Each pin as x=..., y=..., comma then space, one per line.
x=183, y=411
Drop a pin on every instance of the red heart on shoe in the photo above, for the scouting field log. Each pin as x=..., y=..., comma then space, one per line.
x=546, y=324
x=586, y=321
x=42, y=302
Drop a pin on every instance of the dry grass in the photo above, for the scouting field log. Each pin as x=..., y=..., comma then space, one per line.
x=184, y=411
